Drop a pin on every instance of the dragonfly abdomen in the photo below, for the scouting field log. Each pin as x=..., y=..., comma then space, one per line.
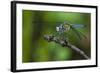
x=78, y=26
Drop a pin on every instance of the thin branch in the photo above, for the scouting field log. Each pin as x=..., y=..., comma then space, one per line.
x=65, y=43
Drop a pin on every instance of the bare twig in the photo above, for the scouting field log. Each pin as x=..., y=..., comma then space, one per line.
x=65, y=43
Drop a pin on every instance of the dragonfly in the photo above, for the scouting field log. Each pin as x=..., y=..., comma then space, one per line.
x=64, y=28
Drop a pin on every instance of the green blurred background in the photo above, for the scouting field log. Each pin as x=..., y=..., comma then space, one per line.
x=38, y=23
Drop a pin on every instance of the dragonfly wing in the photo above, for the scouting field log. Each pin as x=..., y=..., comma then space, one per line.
x=78, y=33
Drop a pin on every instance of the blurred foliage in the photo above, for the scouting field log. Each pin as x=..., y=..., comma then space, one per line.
x=38, y=23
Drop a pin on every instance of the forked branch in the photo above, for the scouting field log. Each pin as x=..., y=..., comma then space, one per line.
x=65, y=43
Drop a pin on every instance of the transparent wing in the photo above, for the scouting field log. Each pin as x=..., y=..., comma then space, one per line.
x=78, y=33
x=74, y=26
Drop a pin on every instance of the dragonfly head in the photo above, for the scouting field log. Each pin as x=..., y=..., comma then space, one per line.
x=62, y=28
